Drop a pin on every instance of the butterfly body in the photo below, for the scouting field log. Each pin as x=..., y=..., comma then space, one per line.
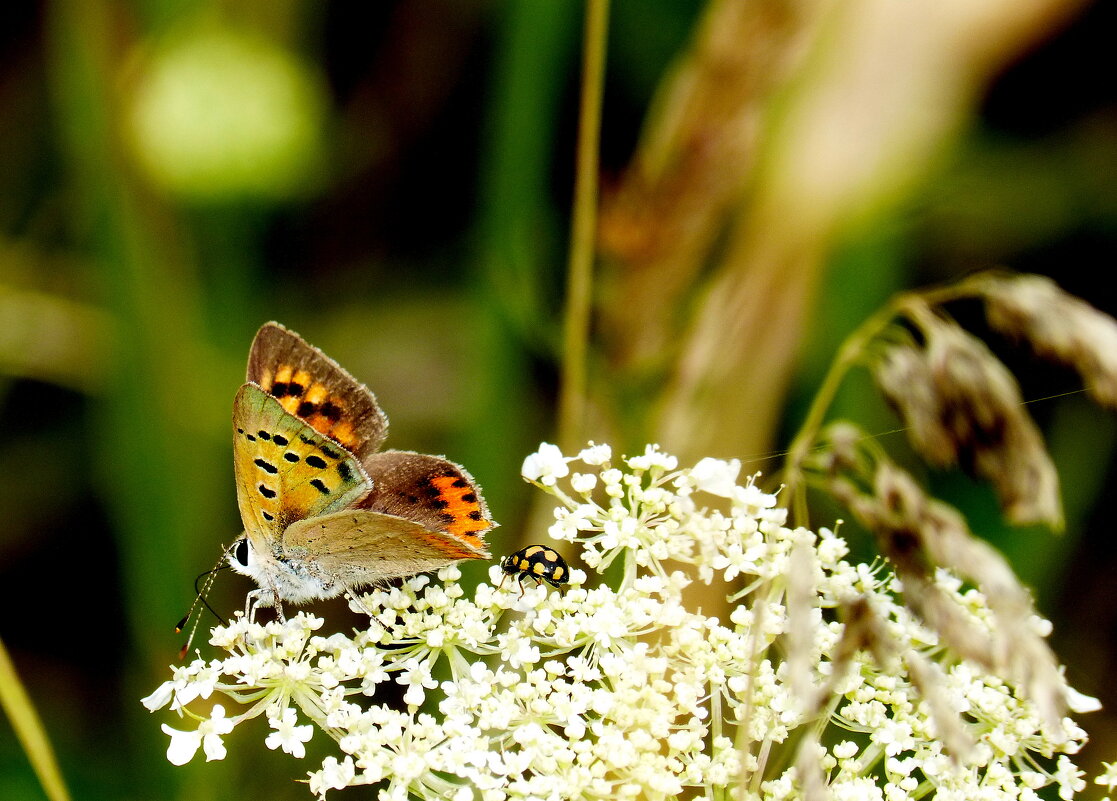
x=289, y=577
x=324, y=512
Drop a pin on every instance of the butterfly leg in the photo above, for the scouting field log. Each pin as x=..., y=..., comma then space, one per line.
x=250, y=605
x=278, y=607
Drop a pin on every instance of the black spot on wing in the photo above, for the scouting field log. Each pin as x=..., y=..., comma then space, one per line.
x=267, y=467
x=329, y=452
x=266, y=491
x=318, y=485
x=280, y=440
x=291, y=457
x=344, y=471
x=316, y=461
x=264, y=435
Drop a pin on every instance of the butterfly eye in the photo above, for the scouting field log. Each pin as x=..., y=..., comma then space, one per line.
x=241, y=552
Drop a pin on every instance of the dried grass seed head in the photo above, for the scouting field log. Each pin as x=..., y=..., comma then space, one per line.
x=984, y=413
x=1057, y=326
x=904, y=377
x=926, y=534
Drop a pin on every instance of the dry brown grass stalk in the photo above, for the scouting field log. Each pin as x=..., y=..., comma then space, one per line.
x=962, y=406
x=1057, y=326
x=929, y=681
x=802, y=650
x=863, y=631
x=920, y=535
x=697, y=153
x=811, y=779
x=866, y=630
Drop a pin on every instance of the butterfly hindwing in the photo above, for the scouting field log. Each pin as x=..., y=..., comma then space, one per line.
x=359, y=546
x=423, y=513
x=431, y=491
x=313, y=387
x=285, y=469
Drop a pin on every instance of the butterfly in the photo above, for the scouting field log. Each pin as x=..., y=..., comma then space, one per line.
x=324, y=510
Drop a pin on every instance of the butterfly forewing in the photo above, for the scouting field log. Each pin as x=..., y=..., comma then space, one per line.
x=313, y=387
x=285, y=469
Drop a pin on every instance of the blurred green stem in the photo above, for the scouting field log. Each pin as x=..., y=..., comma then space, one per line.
x=152, y=451
x=908, y=304
x=29, y=729
x=583, y=235
x=848, y=354
x=516, y=232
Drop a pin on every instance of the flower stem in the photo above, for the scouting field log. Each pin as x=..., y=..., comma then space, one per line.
x=583, y=235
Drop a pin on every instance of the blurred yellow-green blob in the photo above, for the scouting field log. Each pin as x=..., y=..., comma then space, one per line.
x=222, y=115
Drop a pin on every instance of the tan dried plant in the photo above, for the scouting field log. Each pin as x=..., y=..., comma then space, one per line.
x=781, y=130
x=864, y=630
x=959, y=404
x=1057, y=326
x=961, y=407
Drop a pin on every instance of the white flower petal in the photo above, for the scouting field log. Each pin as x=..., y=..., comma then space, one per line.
x=716, y=476
x=183, y=746
x=545, y=465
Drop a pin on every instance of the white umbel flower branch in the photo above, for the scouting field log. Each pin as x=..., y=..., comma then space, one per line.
x=620, y=690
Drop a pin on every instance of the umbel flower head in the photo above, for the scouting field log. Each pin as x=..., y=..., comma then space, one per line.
x=820, y=681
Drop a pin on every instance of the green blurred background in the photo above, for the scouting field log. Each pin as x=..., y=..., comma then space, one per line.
x=393, y=181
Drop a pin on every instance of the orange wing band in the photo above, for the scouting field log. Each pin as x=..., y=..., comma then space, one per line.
x=463, y=505
x=310, y=401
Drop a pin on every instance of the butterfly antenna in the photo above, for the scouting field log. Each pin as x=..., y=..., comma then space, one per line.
x=201, y=594
x=201, y=590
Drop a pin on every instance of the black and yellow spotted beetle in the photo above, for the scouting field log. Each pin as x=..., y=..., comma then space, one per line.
x=538, y=562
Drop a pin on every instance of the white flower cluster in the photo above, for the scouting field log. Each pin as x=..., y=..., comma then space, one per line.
x=621, y=689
